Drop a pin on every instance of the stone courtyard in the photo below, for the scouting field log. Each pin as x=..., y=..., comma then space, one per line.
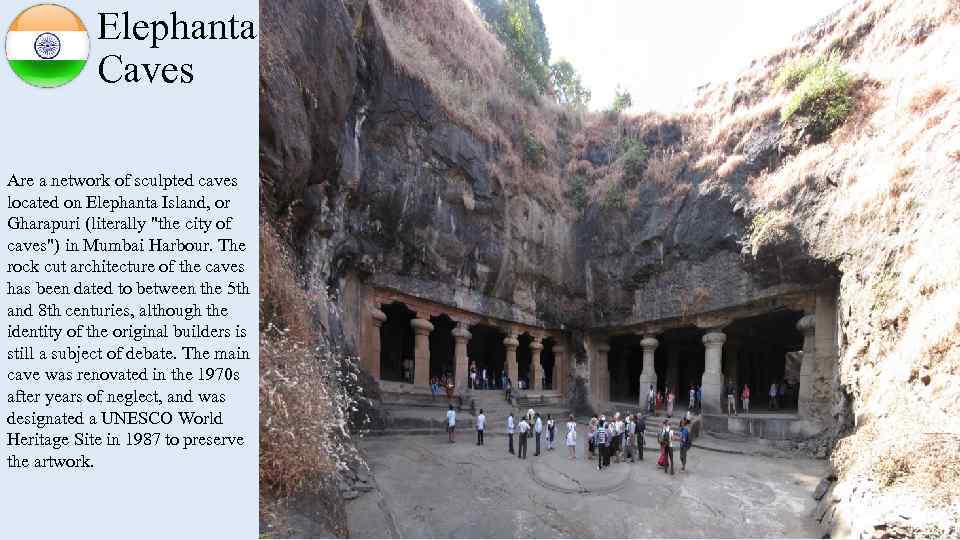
x=428, y=488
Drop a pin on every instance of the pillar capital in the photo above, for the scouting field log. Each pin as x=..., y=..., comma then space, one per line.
x=649, y=343
x=603, y=347
x=559, y=349
x=536, y=345
x=379, y=317
x=714, y=338
x=712, y=322
x=511, y=342
x=421, y=327
x=807, y=324
x=460, y=333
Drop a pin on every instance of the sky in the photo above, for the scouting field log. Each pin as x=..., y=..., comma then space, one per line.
x=661, y=51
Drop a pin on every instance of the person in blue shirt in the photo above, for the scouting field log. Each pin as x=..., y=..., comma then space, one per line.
x=684, y=443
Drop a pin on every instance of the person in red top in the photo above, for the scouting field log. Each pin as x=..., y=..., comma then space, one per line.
x=745, y=396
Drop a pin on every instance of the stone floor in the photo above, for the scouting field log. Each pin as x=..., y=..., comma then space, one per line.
x=430, y=488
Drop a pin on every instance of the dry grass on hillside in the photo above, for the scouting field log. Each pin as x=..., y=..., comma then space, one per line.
x=445, y=45
x=294, y=399
x=883, y=193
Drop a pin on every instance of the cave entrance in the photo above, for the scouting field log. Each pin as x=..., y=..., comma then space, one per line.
x=548, y=362
x=396, y=344
x=441, y=346
x=679, y=362
x=763, y=350
x=523, y=361
x=625, y=362
x=485, y=350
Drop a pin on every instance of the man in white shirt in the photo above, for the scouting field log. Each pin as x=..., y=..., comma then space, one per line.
x=651, y=400
x=481, y=420
x=510, y=430
x=538, y=429
x=524, y=433
x=451, y=422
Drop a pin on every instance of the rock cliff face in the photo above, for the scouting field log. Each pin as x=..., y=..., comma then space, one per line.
x=372, y=181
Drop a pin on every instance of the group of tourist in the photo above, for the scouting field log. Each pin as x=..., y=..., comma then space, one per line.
x=530, y=425
x=656, y=400
x=445, y=383
x=483, y=378
x=777, y=396
x=616, y=440
x=619, y=440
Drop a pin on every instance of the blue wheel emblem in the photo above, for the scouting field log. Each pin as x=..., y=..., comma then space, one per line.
x=47, y=46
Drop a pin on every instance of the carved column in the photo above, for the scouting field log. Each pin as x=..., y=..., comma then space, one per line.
x=560, y=368
x=603, y=373
x=511, y=343
x=807, y=326
x=536, y=370
x=421, y=350
x=461, y=336
x=373, y=363
x=712, y=381
x=648, y=376
x=825, y=351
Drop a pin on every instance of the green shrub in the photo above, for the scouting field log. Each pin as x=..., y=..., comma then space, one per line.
x=518, y=24
x=568, y=85
x=534, y=153
x=823, y=98
x=794, y=71
x=616, y=197
x=578, y=192
x=622, y=100
x=634, y=161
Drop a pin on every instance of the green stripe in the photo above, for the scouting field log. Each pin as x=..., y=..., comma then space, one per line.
x=47, y=73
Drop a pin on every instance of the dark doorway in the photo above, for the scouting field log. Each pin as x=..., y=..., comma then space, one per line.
x=523, y=361
x=486, y=350
x=625, y=362
x=758, y=353
x=679, y=362
x=396, y=344
x=548, y=362
x=441, y=346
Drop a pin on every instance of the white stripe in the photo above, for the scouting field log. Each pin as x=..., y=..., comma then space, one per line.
x=73, y=45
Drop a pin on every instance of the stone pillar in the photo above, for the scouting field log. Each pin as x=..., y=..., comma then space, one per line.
x=806, y=326
x=712, y=381
x=825, y=352
x=648, y=375
x=511, y=343
x=560, y=368
x=461, y=336
x=421, y=350
x=603, y=373
x=373, y=362
x=536, y=370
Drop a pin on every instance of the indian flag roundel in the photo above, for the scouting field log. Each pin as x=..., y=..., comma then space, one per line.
x=47, y=45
